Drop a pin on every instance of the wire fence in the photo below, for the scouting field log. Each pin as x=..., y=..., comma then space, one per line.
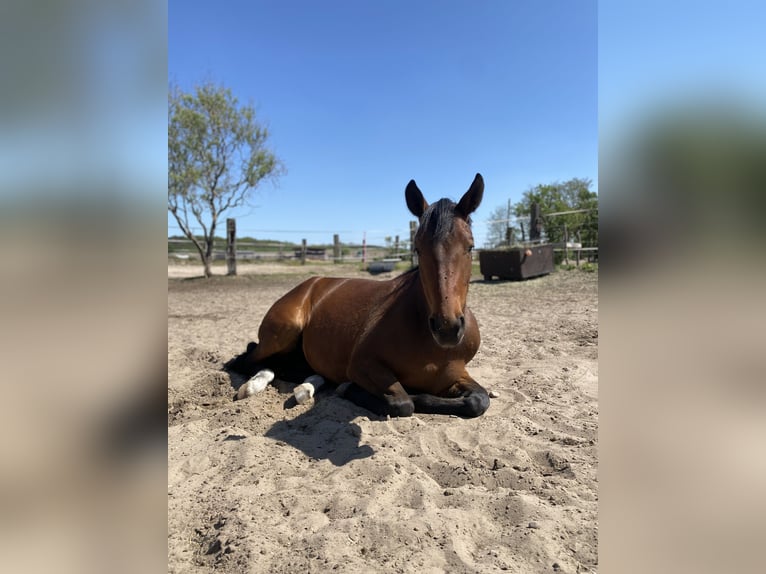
x=317, y=245
x=350, y=245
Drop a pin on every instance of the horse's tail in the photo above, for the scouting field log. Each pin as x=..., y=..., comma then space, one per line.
x=243, y=363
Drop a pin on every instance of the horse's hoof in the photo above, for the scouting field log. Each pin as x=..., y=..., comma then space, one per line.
x=305, y=392
x=256, y=384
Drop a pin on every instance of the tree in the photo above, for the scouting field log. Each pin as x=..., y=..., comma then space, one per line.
x=571, y=195
x=217, y=156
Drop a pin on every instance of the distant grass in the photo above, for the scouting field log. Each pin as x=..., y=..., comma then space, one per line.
x=586, y=267
x=181, y=244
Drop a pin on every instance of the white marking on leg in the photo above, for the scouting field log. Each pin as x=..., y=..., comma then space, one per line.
x=305, y=391
x=256, y=384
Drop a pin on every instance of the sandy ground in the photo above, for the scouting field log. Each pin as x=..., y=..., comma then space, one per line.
x=265, y=485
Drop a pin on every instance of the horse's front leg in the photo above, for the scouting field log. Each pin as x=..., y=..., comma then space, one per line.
x=465, y=398
x=377, y=390
x=396, y=403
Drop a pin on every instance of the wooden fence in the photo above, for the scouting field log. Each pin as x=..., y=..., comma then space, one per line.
x=234, y=250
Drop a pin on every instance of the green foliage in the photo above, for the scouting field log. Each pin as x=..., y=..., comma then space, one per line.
x=217, y=155
x=585, y=267
x=567, y=196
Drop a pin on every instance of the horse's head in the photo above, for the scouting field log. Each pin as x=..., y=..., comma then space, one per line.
x=443, y=243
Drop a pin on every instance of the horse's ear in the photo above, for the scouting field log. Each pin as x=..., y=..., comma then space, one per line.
x=415, y=200
x=472, y=198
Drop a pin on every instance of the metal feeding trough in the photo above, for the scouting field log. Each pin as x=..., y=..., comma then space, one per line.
x=382, y=266
x=517, y=263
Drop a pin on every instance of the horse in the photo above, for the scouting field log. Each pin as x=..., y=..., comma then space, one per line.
x=402, y=343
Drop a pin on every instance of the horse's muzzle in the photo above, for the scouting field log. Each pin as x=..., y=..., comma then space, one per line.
x=447, y=332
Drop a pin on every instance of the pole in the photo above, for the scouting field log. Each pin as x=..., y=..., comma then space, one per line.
x=303, y=252
x=578, y=252
x=231, y=246
x=534, y=222
x=335, y=248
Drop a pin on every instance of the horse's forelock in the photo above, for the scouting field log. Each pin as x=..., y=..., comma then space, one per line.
x=439, y=218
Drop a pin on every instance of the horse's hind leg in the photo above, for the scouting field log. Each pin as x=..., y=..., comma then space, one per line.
x=279, y=334
x=275, y=339
x=466, y=398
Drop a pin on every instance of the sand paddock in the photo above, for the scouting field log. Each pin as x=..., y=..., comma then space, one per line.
x=265, y=485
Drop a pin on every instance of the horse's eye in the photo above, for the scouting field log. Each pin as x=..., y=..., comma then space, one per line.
x=470, y=248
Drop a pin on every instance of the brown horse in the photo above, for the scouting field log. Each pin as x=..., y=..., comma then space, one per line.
x=404, y=343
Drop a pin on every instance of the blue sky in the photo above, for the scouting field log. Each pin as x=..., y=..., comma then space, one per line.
x=361, y=97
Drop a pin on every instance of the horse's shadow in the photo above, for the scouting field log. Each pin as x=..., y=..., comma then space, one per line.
x=325, y=431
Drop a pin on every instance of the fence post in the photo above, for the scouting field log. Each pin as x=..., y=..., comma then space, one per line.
x=577, y=253
x=535, y=223
x=335, y=248
x=303, y=252
x=413, y=257
x=231, y=246
x=566, y=246
x=396, y=247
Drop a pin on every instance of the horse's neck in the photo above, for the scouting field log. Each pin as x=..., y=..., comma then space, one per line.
x=412, y=291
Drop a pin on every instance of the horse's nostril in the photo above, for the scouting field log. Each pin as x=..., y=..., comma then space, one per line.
x=448, y=332
x=445, y=326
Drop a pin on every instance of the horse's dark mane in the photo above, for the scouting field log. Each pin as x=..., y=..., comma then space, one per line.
x=438, y=219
